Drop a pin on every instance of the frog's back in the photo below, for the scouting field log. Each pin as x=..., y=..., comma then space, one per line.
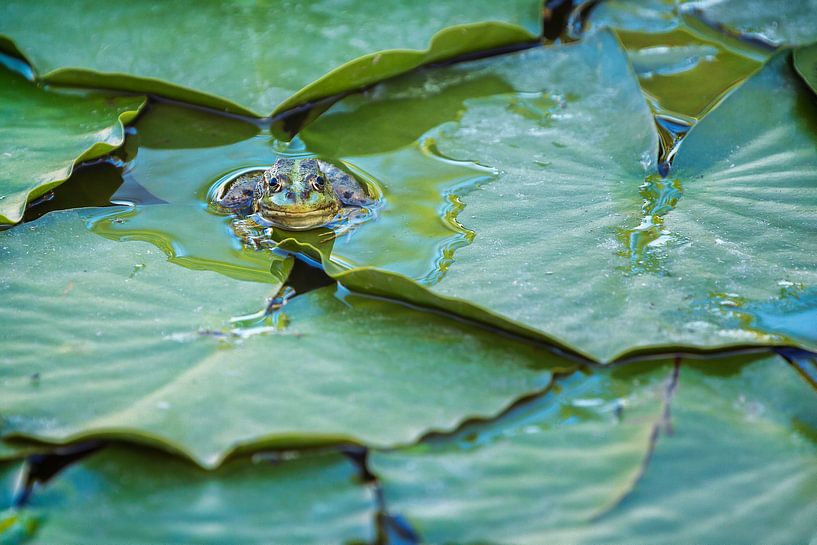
x=350, y=191
x=237, y=196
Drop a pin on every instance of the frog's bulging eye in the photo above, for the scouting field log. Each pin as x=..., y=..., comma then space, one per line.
x=273, y=183
x=318, y=183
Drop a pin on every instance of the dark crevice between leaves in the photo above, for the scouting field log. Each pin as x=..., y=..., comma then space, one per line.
x=390, y=528
x=662, y=426
x=39, y=469
x=803, y=361
x=566, y=20
x=535, y=341
x=671, y=131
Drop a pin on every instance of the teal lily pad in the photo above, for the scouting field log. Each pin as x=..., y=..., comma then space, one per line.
x=805, y=61
x=720, y=453
x=253, y=58
x=46, y=133
x=118, y=343
x=123, y=495
x=781, y=23
x=577, y=237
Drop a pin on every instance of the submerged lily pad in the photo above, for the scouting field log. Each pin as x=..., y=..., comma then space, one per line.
x=720, y=455
x=686, y=70
x=805, y=60
x=127, y=345
x=577, y=237
x=195, y=149
x=133, y=496
x=258, y=57
x=45, y=133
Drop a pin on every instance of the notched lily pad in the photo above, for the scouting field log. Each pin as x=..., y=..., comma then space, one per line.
x=45, y=133
x=254, y=58
x=577, y=235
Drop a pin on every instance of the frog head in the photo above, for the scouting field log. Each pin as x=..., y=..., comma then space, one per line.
x=295, y=194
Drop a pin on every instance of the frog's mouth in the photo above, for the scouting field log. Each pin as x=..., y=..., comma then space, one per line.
x=299, y=221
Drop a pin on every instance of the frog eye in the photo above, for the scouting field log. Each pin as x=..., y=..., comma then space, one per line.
x=274, y=184
x=318, y=182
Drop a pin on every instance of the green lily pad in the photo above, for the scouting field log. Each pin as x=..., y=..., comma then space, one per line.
x=577, y=238
x=125, y=345
x=253, y=58
x=46, y=133
x=805, y=61
x=133, y=496
x=622, y=457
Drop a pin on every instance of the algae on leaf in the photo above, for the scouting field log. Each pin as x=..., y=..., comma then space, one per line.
x=129, y=346
x=121, y=495
x=257, y=57
x=45, y=133
x=577, y=237
x=719, y=454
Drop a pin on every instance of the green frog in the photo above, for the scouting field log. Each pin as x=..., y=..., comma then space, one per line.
x=294, y=194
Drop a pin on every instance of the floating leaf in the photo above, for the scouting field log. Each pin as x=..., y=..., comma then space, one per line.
x=46, y=133
x=125, y=345
x=734, y=453
x=578, y=238
x=133, y=496
x=253, y=58
x=805, y=61
x=789, y=23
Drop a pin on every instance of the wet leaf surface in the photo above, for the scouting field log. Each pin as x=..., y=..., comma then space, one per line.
x=780, y=23
x=253, y=58
x=46, y=133
x=108, y=498
x=734, y=453
x=183, y=359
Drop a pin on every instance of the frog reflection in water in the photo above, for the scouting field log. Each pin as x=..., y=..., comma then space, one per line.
x=294, y=194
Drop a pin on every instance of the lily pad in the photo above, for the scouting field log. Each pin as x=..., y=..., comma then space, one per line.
x=132, y=496
x=577, y=238
x=805, y=61
x=253, y=58
x=720, y=454
x=116, y=342
x=46, y=133
x=780, y=23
